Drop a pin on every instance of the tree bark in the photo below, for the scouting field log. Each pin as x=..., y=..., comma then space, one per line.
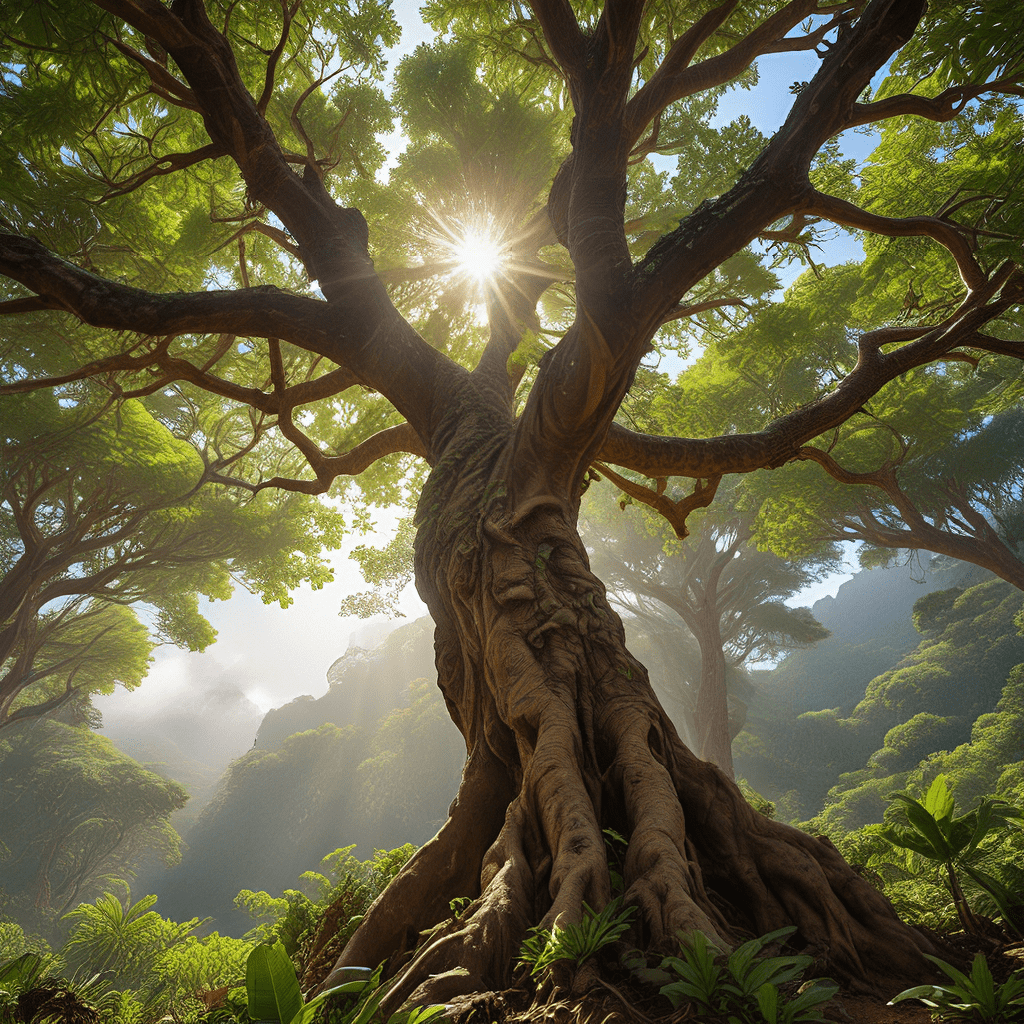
x=711, y=715
x=565, y=737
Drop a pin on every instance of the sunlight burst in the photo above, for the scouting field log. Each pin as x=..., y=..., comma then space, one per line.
x=478, y=254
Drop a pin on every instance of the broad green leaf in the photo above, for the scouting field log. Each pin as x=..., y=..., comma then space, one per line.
x=271, y=984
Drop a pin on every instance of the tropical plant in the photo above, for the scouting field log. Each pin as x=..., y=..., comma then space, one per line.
x=274, y=995
x=970, y=997
x=575, y=942
x=34, y=988
x=953, y=841
x=344, y=878
x=746, y=987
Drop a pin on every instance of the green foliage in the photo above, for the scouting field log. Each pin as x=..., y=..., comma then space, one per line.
x=14, y=941
x=970, y=997
x=294, y=916
x=575, y=942
x=955, y=841
x=108, y=508
x=913, y=715
x=746, y=988
x=34, y=987
x=273, y=994
x=415, y=762
x=107, y=935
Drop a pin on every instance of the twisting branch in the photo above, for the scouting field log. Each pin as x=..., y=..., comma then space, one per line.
x=162, y=82
x=976, y=542
x=780, y=441
x=674, y=512
x=947, y=234
x=170, y=163
x=776, y=184
x=287, y=16
x=676, y=78
x=944, y=107
x=389, y=441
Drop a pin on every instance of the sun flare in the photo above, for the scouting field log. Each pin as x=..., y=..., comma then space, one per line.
x=478, y=254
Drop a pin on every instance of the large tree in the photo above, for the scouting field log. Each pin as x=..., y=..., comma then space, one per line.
x=160, y=113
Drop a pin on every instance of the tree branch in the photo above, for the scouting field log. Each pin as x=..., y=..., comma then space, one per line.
x=399, y=364
x=561, y=32
x=389, y=441
x=675, y=78
x=947, y=234
x=978, y=542
x=675, y=512
x=944, y=107
x=780, y=441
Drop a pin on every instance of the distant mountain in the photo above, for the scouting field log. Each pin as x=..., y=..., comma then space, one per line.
x=363, y=686
x=375, y=761
x=871, y=625
x=190, y=739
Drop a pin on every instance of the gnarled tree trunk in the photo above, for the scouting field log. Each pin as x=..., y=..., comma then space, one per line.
x=565, y=737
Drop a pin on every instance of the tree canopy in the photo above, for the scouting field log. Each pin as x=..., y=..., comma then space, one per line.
x=110, y=508
x=191, y=203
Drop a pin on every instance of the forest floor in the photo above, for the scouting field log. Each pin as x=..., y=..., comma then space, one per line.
x=617, y=999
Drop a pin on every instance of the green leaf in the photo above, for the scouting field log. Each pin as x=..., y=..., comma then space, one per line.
x=271, y=984
x=768, y=1003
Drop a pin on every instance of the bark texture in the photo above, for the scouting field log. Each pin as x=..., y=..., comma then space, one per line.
x=565, y=737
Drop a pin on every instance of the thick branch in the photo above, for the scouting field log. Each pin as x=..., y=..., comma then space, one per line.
x=675, y=78
x=398, y=363
x=781, y=440
x=390, y=441
x=944, y=107
x=777, y=183
x=164, y=84
x=561, y=31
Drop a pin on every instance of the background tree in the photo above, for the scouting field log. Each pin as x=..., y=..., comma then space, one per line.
x=77, y=815
x=230, y=113
x=727, y=594
x=108, y=510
